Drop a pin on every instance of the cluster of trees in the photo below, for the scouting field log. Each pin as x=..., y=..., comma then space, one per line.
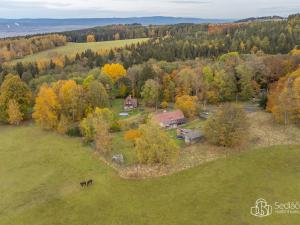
x=132, y=31
x=284, y=99
x=60, y=64
x=18, y=48
x=231, y=77
x=63, y=104
x=96, y=128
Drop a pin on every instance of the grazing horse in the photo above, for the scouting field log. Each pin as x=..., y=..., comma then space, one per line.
x=83, y=183
x=89, y=182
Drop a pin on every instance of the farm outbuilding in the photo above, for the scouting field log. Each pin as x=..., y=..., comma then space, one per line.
x=170, y=119
x=189, y=136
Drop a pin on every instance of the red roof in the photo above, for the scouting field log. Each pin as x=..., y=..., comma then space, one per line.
x=167, y=117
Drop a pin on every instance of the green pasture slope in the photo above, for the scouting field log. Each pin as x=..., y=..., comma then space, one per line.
x=40, y=174
x=72, y=48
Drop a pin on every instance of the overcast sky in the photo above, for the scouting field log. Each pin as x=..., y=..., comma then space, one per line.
x=131, y=8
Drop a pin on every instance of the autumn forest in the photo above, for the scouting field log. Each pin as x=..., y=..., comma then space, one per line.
x=176, y=99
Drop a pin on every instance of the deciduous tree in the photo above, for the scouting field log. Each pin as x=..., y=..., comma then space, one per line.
x=13, y=88
x=89, y=125
x=114, y=71
x=46, y=109
x=228, y=126
x=150, y=92
x=187, y=104
x=14, y=114
x=90, y=38
x=103, y=139
x=97, y=95
x=155, y=146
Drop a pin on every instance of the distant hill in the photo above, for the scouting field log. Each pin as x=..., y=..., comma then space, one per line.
x=265, y=18
x=21, y=27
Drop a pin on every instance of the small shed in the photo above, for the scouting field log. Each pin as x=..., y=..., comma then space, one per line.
x=189, y=136
x=130, y=103
x=193, y=137
x=204, y=115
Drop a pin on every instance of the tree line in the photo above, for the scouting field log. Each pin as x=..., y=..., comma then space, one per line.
x=132, y=31
x=231, y=77
x=17, y=48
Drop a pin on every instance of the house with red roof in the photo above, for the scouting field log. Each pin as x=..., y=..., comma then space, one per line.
x=170, y=119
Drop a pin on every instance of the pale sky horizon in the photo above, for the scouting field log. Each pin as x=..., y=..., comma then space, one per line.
x=138, y=8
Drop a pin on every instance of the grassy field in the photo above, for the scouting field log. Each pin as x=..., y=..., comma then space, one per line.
x=73, y=48
x=40, y=174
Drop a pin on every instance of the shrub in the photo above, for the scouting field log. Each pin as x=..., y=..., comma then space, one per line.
x=74, y=132
x=115, y=127
x=103, y=138
x=164, y=105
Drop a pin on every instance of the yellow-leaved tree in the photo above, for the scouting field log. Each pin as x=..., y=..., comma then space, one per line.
x=187, y=104
x=114, y=71
x=46, y=108
x=88, y=125
x=90, y=38
x=154, y=145
x=71, y=98
x=13, y=88
x=14, y=114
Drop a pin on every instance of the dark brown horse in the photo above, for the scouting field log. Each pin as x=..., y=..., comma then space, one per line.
x=83, y=183
x=89, y=182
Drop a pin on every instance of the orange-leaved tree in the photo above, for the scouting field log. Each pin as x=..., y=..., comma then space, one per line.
x=284, y=99
x=132, y=135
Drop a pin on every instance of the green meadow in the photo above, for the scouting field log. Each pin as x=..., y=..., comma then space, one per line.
x=71, y=49
x=40, y=173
